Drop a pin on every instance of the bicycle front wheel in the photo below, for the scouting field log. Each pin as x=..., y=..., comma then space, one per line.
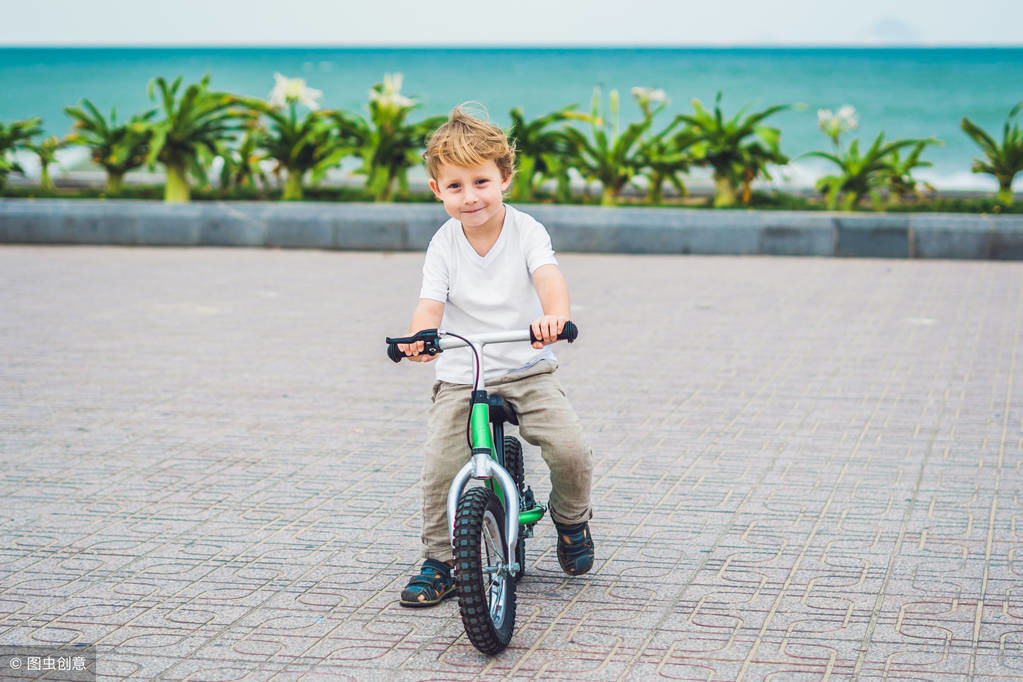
x=486, y=593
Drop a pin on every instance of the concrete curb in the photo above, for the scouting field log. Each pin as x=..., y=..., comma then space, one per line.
x=585, y=229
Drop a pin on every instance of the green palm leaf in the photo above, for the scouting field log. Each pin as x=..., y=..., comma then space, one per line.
x=1005, y=160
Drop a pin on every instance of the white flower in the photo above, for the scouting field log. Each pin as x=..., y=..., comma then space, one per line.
x=289, y=90
x=649, y=95
x=389, y=96
x=848, y=114
x=824, y=118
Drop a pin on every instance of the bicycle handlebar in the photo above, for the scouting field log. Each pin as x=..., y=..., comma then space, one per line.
x=434, y=343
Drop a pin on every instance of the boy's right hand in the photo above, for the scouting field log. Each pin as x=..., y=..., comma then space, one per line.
x=414, y=352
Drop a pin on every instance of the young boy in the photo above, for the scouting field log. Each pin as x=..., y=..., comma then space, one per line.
x=491, y=267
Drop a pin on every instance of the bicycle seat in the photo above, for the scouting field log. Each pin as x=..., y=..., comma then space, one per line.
x=501, y=412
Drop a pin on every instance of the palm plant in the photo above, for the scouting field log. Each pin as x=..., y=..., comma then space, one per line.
x=17, y=135
x=116, y=148
x=387, y=144
x=612, y=157
x=299, y=145
x=540, y=151
x=47, y=153
x=242, y=166
x=861, y=174
x=722, y=146
x=1004, y=161
x=899, y=174
x=664, y=156
x=191, y=132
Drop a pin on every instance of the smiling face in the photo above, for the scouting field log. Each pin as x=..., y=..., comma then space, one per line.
x=472, y=195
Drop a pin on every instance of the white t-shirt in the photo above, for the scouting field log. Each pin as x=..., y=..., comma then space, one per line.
x=487, y=293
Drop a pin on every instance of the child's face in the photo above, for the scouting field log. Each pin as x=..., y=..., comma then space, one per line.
x=474, y=195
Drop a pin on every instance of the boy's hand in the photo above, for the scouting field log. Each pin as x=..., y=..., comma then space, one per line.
x=414, y=351
x=547, y=329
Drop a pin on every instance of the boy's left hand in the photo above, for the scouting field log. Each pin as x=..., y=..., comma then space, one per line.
x=547, y=328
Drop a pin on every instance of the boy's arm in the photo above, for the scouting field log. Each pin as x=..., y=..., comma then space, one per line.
x=552, y=289
x=428, y=315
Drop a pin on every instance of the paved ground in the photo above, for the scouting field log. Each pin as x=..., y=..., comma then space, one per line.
x=805, y=468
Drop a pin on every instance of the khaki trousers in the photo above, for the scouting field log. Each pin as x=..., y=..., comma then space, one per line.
x=546, y=419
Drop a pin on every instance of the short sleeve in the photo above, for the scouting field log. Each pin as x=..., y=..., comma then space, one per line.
x=536, y=245
x=435, y=274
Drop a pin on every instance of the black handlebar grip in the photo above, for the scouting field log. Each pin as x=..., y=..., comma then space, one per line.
x=568, y=333
x=394, y=353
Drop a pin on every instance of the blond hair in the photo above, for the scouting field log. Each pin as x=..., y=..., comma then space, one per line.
x=467, y=141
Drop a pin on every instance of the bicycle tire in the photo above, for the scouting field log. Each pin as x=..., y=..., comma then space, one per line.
x=485, y=600
x=515, y=465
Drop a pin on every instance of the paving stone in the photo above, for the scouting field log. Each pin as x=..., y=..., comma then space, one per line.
x=804, y=467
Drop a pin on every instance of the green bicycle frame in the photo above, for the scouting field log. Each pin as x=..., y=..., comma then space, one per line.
x=482, y=438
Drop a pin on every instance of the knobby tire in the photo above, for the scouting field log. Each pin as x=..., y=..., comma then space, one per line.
x=480, y=514
x=514, y=464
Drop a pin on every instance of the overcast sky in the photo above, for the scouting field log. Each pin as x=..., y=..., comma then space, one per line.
x=518, y=22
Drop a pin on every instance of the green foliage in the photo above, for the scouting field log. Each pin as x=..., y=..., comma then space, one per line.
x=241, y=169
x=542, y=154
x=726, y=147
x=192, y=130
x=863, y=174
x=898, y=176
x=46, y=150
x=387, y=144
x=761, y=200
x=610, y=157
x=198, y=125
x=1005, y=160
x=17, y=135
x=300, y=145
x=116, y=148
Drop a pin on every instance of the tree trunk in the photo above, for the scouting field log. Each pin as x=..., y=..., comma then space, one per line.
x=45, y=181
x=293, y=186
x=1004, y=196
x=724, y=191
x=655, y=193
x=115, y=182
x=176, y=190
x=607, y=197
x=747, y=186
x=380, y=184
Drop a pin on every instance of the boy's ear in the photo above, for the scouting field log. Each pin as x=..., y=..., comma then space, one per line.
x=506, y=182
x=435, y=188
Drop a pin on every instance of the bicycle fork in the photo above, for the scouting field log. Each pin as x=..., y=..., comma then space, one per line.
x=482, y=467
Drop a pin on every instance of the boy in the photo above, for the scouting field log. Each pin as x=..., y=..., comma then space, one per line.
x=491, y=267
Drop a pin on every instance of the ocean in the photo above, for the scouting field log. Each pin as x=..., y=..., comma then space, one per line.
x=904, y=92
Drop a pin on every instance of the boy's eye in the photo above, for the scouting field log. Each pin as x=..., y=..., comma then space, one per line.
x=453, y=185
x=481, y=182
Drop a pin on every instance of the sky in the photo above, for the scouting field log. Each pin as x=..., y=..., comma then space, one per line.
x=521, y=22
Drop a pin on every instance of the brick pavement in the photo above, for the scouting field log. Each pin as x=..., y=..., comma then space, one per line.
x=806, y=468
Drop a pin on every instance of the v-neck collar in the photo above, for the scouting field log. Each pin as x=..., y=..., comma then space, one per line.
x=497, y=246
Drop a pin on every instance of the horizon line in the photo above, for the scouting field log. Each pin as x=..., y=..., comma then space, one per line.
x=524, y=46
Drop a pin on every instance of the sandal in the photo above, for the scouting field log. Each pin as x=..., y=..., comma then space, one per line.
x=575, y=548
x=433, y=585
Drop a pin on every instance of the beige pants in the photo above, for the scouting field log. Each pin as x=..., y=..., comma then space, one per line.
x=546, y=419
